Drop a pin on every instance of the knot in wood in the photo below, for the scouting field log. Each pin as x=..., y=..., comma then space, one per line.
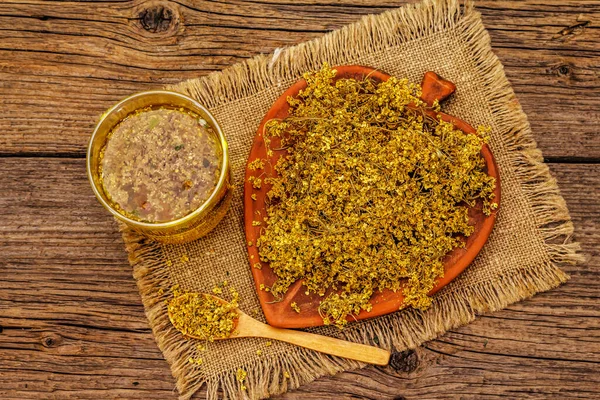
x=405, y=361
x=50, y=341
x=561, y=70
x=157, y=19
x=564, y=70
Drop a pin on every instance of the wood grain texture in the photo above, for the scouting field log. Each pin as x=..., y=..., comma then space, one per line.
x=73, y=326
x=71, y=321
x=66, y=62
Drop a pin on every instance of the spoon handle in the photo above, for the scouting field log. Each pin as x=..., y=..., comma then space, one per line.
x=323, y=344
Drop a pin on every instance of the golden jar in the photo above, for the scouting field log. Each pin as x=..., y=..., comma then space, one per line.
x=191, y=226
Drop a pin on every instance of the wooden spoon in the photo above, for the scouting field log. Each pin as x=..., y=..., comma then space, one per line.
x=246, y=326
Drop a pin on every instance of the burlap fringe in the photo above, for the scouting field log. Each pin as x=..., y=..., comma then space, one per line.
x=371, y=34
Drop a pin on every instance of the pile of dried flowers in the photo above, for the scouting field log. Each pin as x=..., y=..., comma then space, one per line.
x=371, y=194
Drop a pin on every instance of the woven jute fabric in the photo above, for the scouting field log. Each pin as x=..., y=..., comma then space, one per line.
x=530, y=241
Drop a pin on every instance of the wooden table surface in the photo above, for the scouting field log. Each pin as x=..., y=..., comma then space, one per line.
x=71, y=320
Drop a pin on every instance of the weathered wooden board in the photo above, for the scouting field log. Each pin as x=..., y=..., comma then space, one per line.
x=72, y=324
x=63, y=63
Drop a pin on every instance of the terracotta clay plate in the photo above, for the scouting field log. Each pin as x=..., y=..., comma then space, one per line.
x=280, y=314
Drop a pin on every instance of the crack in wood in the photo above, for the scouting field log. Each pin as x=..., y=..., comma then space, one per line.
x=571, y=31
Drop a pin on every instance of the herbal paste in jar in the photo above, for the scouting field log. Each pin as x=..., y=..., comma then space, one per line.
x=160, y=164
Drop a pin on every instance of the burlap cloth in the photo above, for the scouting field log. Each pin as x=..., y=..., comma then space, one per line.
x=522, y=257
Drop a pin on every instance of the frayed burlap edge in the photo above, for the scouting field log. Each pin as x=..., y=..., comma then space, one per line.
x=372, y=33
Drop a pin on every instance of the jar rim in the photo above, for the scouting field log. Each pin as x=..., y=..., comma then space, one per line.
x=125, y=107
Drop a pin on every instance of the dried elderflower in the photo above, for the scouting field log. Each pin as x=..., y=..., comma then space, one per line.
x=203, y=316
x=295, y=307
x=197, y=361
x=256, y=182
x=371, y=195
x=258, y=163
x=241, y=378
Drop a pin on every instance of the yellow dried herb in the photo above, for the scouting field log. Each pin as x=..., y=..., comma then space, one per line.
x=371, y=194
x=295, y=307
x=256, y=164
x=197, y=361
x=256, y=182
x=241, y=378
x=203, y=316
